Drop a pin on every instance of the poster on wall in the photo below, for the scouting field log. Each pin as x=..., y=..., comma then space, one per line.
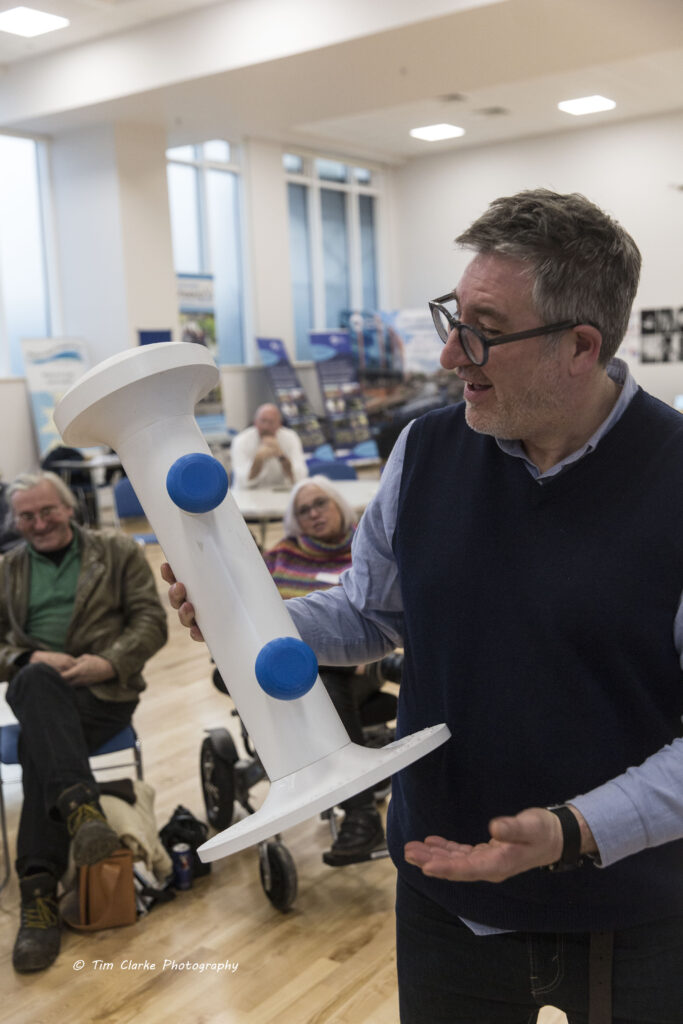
x=52, y=365
x=342, y=395
x=661, y=335
x=373, y=345
x=198, y=327
x=291, y=398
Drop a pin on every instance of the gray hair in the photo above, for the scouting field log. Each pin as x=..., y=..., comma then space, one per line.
x=26, y=481
x=583, y=265
x=290, y=521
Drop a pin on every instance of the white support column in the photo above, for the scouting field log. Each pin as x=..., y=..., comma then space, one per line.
x=268, y=245
x=113, y=235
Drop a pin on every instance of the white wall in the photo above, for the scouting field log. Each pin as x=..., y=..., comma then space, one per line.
x=113, y=235
x=628, y=169
x=18, y=451
x=267, y=222
x=149, y=276
x=89, y=239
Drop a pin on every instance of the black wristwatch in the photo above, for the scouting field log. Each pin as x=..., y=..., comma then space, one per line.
x=571, y=840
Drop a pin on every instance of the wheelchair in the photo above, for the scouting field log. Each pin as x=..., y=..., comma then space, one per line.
x=228, y=778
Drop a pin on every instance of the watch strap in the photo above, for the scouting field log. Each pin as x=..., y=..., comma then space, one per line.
x=571, y=839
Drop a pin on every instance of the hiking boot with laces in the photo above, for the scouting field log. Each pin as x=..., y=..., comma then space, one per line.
x=361, y=833
x=93, y=837
x=37, y=943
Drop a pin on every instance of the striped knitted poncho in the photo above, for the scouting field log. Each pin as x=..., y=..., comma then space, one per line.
x=296, y=564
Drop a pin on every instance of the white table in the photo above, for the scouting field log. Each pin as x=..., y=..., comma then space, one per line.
x=266, y=504
x=105, y=460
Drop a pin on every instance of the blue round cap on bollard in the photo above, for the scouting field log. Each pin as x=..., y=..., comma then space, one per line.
x=286, y=668
x=197, y=482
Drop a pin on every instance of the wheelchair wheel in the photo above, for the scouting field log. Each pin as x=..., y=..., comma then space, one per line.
x=278, y=874
x=218, y=783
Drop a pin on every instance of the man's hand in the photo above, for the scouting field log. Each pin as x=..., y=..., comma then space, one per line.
x=531, y=839
x=88, y=669
x=57, y=660
x=269, y=448
x=177, y=595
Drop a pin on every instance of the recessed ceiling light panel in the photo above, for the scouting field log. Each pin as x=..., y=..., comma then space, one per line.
x=586, y=105
x=25, y=21
x=437, y=132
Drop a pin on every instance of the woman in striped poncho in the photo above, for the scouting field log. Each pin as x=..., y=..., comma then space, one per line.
x=319, y=527
x=316, y=549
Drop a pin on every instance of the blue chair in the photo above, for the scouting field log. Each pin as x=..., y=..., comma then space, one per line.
x=333, y=470
x=127, y=506
x=126, y=739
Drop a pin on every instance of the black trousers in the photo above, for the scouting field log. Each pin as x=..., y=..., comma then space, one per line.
x=61, y=726
x=449, y=975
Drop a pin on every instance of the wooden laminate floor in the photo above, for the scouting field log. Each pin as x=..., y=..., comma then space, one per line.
x=330, y=960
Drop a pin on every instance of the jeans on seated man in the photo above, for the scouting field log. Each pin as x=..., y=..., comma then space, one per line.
x=79, y=617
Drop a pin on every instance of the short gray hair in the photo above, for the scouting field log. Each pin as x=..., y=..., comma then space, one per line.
x=290, y=522
x=584, y=266
x=26, y=481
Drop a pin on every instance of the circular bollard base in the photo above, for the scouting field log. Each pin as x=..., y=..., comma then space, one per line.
x=321, y=785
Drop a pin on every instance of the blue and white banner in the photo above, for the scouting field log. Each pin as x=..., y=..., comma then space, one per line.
x=291, y=398
x=342, y=395
x=414, y=340
x=52, y=365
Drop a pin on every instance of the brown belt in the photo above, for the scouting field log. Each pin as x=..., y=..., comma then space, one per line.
x=600, y=978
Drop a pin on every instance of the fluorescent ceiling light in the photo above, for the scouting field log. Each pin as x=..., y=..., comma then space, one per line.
x=436, y=132
x=586, y=105
x=25, y=21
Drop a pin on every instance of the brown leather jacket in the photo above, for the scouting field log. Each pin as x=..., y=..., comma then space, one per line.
x=117, y=613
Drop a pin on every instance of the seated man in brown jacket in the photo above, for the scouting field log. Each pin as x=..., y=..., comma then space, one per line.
x=79, y=617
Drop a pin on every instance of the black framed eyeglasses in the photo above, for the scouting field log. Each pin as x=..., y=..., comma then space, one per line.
x=475, y=344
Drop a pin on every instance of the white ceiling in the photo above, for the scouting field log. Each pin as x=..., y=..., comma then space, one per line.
x=497, y=70
x=90, y=19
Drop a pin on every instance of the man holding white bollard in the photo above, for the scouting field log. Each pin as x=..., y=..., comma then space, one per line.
x=140, y=403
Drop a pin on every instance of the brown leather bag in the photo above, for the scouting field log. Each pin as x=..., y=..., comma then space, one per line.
x=105, y=896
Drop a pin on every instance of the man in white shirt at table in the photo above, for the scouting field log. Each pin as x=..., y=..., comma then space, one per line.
x=267, y=454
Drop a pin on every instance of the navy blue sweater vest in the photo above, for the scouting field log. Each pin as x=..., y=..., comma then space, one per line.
x=538, y=625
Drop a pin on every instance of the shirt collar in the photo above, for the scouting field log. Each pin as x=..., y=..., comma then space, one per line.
x=56, y=557
x=618, y=371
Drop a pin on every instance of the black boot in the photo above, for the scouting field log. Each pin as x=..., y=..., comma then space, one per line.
x=37, y=943
x=93, y=837
x=360, y=834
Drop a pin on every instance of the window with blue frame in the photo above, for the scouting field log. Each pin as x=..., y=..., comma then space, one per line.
x=24, y=292
x=333, y=242
x=204, y=185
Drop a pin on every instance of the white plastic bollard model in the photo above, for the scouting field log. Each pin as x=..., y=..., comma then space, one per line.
x=141, y=404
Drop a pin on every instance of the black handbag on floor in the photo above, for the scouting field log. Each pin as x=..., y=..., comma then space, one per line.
x=183, y=827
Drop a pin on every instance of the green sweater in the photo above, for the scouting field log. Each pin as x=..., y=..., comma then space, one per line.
x=51, y=595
